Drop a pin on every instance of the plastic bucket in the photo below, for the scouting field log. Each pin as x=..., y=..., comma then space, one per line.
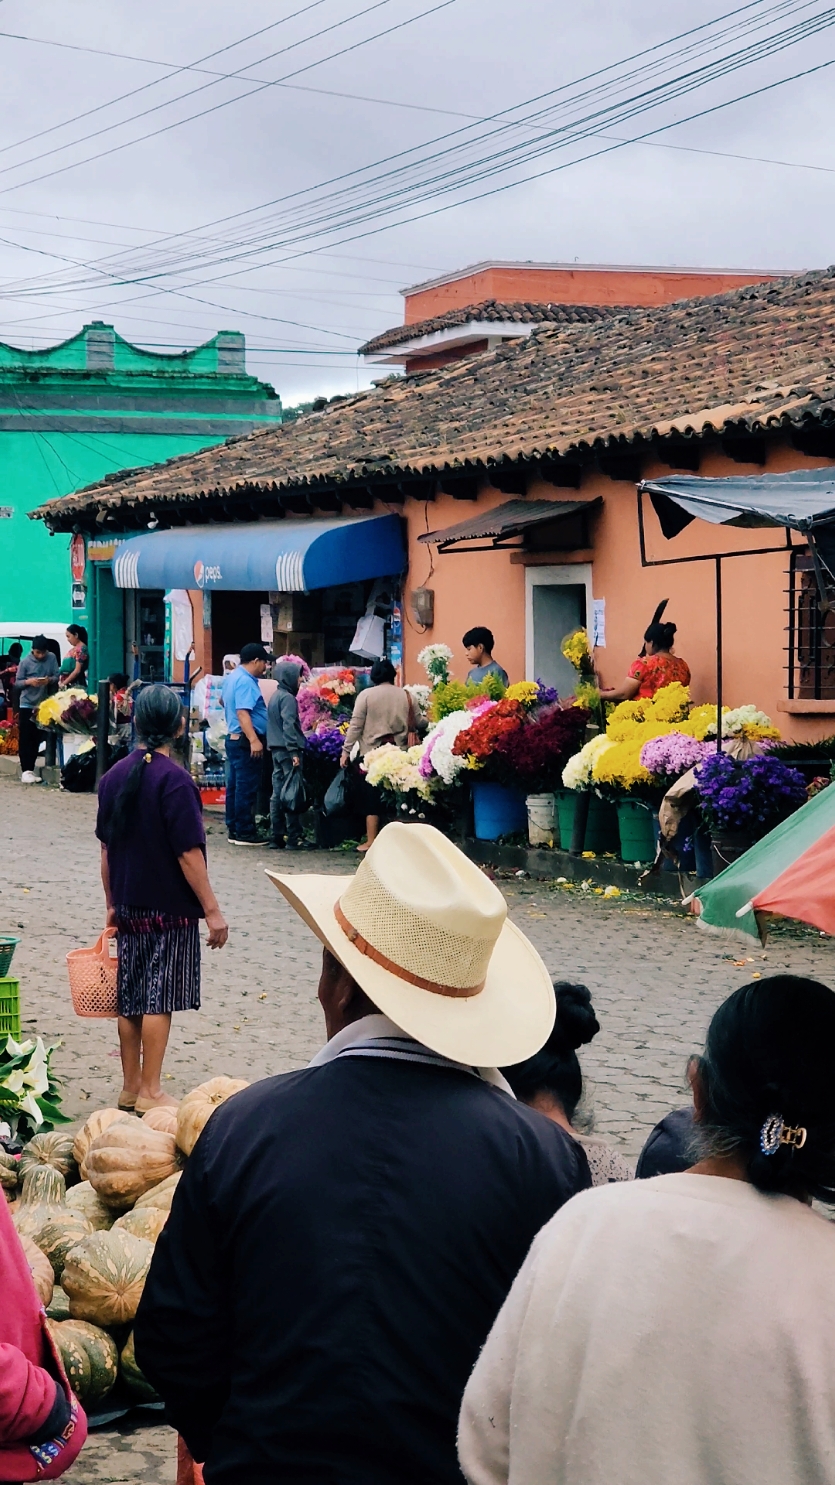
x=601, y=825
x=498, y=811
x=541, y=815
x=728, y=847
x=637, y=837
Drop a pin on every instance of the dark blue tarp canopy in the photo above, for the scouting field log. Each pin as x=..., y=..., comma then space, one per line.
x=802, y=499
x=284, y=556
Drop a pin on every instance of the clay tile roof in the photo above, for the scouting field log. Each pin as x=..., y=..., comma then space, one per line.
x=491, y=311
x=753, y=360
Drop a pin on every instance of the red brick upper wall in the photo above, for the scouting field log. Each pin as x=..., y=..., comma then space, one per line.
x=581, y=285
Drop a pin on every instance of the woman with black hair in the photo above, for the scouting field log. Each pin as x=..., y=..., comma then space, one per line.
x=156, y=886
x=656, y=666
x=381, y=714
x=552, y=1080
x=79, y=654
x=683, y=1328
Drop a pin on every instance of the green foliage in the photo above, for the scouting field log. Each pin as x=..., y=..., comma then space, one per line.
x=452, y=696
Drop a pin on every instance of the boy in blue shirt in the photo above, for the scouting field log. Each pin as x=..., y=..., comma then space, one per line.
x=246, y=730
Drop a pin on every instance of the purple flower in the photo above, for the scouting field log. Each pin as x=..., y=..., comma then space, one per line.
x=748, y=794
x=674, y=754
x=548, y=696
x=326, y=743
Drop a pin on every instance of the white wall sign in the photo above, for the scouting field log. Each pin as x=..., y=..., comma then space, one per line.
x=599, y=623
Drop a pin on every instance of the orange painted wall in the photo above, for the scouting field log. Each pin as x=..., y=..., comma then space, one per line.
x=572, y=286
x=485, y=588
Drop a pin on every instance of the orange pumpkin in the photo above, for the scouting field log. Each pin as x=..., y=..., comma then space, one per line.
x=127, y=1160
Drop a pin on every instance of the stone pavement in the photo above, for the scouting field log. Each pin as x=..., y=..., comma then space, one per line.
x=654, y=976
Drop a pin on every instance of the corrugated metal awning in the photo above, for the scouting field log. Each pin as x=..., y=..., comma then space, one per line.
x=499, y=525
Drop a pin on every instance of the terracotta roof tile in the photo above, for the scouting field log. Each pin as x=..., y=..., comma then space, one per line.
x=491, y=311
x=752, y=360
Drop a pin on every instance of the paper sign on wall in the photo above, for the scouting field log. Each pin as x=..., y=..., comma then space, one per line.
x=266, y=625
x=599, y=623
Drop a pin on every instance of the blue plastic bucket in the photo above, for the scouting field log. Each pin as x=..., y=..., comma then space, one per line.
x=498, y=811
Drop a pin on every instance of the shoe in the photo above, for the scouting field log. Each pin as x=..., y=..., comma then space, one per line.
x=301, y=845
x=275, y=845
x=29, y=777
x=244, y=840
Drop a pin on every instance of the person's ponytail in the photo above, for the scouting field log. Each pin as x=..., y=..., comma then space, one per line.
x=157, y=716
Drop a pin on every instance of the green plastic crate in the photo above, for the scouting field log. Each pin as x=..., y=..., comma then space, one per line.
x=9, y=1008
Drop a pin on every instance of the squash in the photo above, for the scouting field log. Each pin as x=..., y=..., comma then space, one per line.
x=104, y=1276
x=164, y=1119
x=198, y=1105
x=135, y=1381
x=59, y=1306
x=160, y=1196
x=60, y=1233
x=97, y=1123
x=74, y=1358
x=103, y=1355
x=8, y=1172
x=42, y=1196
x=144, y=1222
x=82, y=1198
x=55, y=1149
x=40, y=1269
x=127, y=1160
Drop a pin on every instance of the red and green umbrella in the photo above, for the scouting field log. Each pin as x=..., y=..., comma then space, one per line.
x=790, y=873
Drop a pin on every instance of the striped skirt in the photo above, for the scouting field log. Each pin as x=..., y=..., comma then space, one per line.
x=159, y=962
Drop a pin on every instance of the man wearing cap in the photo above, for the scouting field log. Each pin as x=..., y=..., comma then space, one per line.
x=343, y=1236
x=246, y=729
x=36, y=675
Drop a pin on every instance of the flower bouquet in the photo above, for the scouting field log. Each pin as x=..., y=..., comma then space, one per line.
x=669, y=757
x=327, y=699
x=435, y=661
x=80, y=715
x=50, y=713
x=8, y=736
x=532, y=757
x=30, y=1098
x=454, y=696
x=747, y=795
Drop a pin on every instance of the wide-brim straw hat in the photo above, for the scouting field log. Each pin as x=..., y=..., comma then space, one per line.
x=426, y=936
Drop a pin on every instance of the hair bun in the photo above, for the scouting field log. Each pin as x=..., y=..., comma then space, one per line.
x=576, y=1022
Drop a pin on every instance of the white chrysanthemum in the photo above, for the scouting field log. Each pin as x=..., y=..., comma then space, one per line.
x=577, y=773
x=438, y=745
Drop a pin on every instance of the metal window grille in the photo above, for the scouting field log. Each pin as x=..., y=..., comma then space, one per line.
x=811, y=635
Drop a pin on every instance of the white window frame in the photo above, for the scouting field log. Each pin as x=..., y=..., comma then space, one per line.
x=575, y=574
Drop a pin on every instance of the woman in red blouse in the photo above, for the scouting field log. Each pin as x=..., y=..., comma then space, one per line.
x=655, y=668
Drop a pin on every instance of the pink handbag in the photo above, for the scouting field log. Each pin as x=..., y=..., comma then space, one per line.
x=92, y=975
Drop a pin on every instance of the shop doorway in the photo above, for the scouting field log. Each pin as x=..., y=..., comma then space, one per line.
x=558, y=599
x=236, y=621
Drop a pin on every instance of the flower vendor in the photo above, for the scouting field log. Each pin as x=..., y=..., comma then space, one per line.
x=656, y=666
x=478, y=647
x=36, y=675
x=381, y=715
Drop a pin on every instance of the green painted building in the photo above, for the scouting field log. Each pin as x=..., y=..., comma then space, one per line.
x=76, y=412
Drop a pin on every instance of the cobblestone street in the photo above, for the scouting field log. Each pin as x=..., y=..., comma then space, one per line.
x=655, y=980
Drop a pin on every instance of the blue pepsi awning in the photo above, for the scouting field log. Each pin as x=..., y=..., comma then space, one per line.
x=284, y=556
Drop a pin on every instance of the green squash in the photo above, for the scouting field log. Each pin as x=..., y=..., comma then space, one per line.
x=137, y=1384
x=102, y=1354
x=73, y=1356
x=58, y=1234
x=59, y=1306
x=8, y=1173
x=84, y=1199
x=53, y=1149
x=42, y=1197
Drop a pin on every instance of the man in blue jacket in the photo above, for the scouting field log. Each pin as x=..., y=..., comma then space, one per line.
x=343, y=1237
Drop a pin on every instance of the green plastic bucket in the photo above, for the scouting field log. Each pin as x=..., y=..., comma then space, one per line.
x=8, y=944
x=601, y=825
x=637, y=837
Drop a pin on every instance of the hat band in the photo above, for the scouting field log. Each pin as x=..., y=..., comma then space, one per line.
x=456, y=991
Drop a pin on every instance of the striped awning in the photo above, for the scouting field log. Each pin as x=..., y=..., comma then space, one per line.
x=289, y=556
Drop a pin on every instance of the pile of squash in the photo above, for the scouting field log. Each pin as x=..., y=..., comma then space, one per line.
x=88, y=1207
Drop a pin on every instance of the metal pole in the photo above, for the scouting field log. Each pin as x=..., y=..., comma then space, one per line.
x=102, y=730
x=718, y=654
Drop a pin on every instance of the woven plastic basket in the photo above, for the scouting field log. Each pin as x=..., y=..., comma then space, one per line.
x=8, y=944
x=92, y=975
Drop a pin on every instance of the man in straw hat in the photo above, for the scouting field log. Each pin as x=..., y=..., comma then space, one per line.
x=343, y=1237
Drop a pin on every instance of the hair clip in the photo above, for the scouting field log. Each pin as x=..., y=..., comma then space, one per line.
x=775, y=1132
x=147, y=758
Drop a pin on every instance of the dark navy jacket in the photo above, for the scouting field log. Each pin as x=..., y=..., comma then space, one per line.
x=338, y=1248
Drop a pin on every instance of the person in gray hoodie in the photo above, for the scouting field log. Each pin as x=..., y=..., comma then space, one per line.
x=286, y=742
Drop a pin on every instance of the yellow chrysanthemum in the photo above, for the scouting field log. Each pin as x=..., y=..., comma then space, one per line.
x=525, y=692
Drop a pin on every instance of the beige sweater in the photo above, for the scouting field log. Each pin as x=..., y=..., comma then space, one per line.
x=380, y=712
x=677, y=1331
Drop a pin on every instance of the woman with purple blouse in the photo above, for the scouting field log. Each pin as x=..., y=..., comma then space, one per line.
x=156, y=886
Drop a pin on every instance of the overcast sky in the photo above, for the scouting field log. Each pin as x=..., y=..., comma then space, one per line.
x=80, y=237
